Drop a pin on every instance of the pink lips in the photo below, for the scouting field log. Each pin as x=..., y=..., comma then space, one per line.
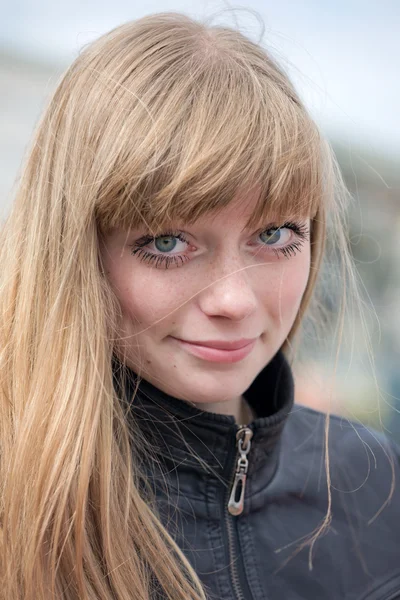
x=219, y=351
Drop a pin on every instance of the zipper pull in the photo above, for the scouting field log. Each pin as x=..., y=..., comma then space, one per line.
x=236, y=498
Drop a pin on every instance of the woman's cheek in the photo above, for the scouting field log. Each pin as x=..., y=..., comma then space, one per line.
x=289, y=285
x=297, y=285
x=145, y=301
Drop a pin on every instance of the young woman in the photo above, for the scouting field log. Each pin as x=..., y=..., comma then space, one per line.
x=160, y=256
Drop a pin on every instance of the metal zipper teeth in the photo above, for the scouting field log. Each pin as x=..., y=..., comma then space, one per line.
x=232, y=560
x=231, y=545
x=230, y=527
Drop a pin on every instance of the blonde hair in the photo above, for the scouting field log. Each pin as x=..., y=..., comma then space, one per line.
x=161, y=118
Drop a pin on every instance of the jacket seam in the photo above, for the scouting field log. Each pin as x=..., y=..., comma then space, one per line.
x=255, y=581
x=210, y=535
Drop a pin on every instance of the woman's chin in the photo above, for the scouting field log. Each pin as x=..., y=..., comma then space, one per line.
x=220, y=394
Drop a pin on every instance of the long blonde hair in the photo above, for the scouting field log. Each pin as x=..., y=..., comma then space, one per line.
x=161, y=118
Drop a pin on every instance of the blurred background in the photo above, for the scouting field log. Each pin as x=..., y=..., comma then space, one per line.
x=343, y=57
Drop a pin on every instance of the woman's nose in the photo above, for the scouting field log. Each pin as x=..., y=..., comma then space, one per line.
x=231, y=295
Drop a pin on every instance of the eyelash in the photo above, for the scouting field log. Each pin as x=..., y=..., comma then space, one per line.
x=161, y=260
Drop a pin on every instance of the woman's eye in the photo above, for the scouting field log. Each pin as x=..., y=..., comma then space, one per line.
x=285, y=240
x=162, y=250
x=167, y=243
x=275, y=235
x=173, y=249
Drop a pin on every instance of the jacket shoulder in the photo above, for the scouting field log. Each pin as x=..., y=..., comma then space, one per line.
x=364, y=463
x=344, y=433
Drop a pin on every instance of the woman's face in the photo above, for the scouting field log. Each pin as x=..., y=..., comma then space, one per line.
x=212, y=283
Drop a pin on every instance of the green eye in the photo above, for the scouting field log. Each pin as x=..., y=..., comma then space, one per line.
x=157, y=250
x=165, y=243
x=271, y=236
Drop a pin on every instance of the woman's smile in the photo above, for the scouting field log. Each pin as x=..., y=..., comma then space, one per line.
x=223, y=352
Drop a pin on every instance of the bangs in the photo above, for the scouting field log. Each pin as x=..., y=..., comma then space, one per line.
x=202, y=134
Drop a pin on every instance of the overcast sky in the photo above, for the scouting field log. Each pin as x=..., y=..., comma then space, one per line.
x=344, y=54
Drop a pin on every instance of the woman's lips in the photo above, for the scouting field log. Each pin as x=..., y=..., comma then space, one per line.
x=227, y=352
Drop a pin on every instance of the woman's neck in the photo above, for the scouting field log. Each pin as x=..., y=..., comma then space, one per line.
x=238, y=407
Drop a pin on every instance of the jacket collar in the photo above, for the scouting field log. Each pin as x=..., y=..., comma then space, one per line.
x=189, y=440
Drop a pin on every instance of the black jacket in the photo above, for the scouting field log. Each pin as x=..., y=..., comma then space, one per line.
x=254, y=554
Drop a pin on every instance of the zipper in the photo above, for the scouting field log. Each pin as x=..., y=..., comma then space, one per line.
x=233, y=507
x=243, y=443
